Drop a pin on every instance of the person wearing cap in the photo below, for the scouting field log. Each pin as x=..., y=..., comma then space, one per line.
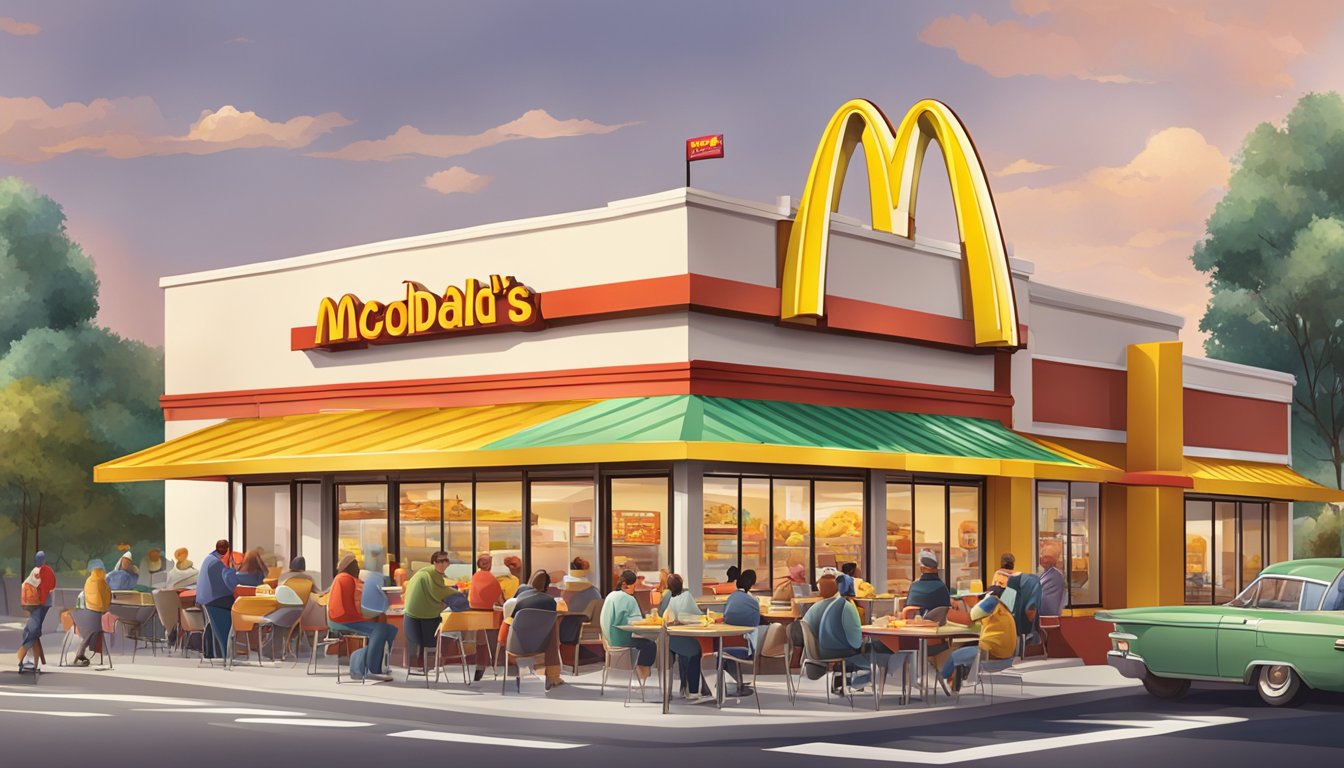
x=96, y=597
x=183, y=574
x=998, y=638
x=344, y=614
x=508, y=584
x=424, y=599
x=125, y=575
x=214, y=593
x=929, y=591
x=621, y=609
x=41, y=582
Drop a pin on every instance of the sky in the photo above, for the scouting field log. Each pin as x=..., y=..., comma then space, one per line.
x=180, y=137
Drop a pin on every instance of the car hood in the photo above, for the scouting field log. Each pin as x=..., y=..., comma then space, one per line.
x=1164, y=614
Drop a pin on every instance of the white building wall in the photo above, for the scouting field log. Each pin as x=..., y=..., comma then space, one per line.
x=196, y=511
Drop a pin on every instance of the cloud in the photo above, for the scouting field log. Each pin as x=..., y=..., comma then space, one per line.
x=1024, y=166
x=32, y=131
x=1141, y=41
x=13, y=26
x=457, y=179
x=1129, y=228
x=409, y=140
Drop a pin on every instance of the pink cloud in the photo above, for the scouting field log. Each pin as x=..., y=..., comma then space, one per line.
x=13, y=26
x=1141, y=41
x=457, y=179
x=1023, y=165
x=32, y=131
x=408, y=140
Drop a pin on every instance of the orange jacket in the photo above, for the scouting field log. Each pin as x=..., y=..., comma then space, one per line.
x=485, y=591
x=343, y=603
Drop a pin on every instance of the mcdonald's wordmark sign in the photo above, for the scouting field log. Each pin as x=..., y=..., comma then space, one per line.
x=704, y=147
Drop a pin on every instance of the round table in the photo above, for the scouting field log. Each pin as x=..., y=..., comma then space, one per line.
x=662, y=632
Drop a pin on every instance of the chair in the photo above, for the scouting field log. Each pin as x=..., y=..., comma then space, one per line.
x=981, y=669
x=450, y=630
x=1045, y=623
x=303, y=587
x=313, y=621
x=133, y=619
x=590, y=634
x=191, y=621
x=528, y=635
x=773, y=646
x=620, y=657
x=84, y=623
x=168, y=606
x=812, y=655
x=281, y=622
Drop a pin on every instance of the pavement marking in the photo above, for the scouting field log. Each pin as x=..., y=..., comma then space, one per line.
x=471, y=738
x=124, y=698
x=53, y=713
x=1130, y=729
x=312, y=723
x=225, y=711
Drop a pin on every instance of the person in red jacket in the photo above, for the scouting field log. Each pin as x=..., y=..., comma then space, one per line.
x=343, y=614
x=37, y=607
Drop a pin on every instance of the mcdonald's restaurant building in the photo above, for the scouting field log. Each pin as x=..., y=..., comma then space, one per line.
x=637, y=385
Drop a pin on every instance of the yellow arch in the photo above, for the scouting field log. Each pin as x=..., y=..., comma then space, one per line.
x=894, y=162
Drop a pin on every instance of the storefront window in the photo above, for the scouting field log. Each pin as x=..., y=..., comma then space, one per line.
x=790, y=529
x=755, y=524
x=499, y=521
x=721, y=528
x=1225, y=551
x=361, y=525
x=1198, y=552
x=900, y=537
x=266, y=522
x=1280, y=531
x=1252, y=541
x=639, y=526
x=457, y=527
x=839, y=531
x=1068, y=526
x=420, y=524
x=964, y=549
x=931, y=522
x=564, y=514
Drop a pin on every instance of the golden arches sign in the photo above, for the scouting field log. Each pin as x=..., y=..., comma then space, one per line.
x=894, y=161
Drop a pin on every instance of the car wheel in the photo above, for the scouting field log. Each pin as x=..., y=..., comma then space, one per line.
x=1279, y=685
x=1165, y=687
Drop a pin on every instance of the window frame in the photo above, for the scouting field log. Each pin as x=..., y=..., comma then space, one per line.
x=1096, y=544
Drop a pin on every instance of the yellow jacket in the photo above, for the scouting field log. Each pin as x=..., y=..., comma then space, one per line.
x=998, y=633
x=97, y=595
x=508, y=584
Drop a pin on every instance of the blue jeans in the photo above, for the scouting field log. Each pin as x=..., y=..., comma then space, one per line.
x=221, y=621
x=647, y=651
x=380, y=639
x=962, y=657
x=688, y=655
x=32, y=630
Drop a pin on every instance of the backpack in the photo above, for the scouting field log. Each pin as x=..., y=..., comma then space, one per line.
x=29, y=594
x=1027, y=607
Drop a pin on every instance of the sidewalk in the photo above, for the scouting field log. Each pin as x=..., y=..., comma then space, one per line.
x=579, y=698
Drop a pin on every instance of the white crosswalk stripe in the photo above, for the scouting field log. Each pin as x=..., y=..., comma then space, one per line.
x=471, y=738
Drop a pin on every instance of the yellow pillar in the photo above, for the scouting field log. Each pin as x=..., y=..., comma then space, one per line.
x=1155, y=437
x=1008, y=509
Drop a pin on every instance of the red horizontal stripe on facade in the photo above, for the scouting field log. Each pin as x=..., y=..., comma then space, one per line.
x=697, y=377
x=716, y=295
x=1229, y=422
x=1077, y=395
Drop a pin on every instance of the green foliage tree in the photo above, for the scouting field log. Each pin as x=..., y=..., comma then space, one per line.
x=72, y=394
x=1274, y=253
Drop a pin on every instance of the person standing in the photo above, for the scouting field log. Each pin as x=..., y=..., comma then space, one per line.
x=37, y=601
x=214, y=593
x=425, y=593
x=344, y=614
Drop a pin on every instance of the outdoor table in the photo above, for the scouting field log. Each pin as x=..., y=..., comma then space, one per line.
x=660, y=633
x=923, y=635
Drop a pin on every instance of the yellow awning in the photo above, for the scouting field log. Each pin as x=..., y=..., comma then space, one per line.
x=1248, y=478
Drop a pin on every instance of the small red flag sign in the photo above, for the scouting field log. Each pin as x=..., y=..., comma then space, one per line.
x=704, y=147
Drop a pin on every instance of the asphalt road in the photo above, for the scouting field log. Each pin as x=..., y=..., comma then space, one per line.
x=83, y=718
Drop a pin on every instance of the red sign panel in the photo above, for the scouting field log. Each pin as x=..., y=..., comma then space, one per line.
x=704, y=147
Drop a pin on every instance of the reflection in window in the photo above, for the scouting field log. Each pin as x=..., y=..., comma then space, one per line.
x=1198, y=552
x=639, y=531
x=1225, y=552
x=499, y=522
x=839, y=531
x=900, y=538
x=457, y=526
x=1280, y=531
x=755, y=527
x=963, y=567
x=790, y=529
x=1252, y=555
x=565, y=525
x=266, y=522
x=721, y=528
x=361, y=525
x=931, y=521
x=1279, y=594
x=1068, y=526
x=419, y=524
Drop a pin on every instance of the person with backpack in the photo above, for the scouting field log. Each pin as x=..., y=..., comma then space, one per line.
x=344, y=614
x=35, y=597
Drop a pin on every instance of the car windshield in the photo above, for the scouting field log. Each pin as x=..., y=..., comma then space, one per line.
x=1334, y=598
x=1247, y=597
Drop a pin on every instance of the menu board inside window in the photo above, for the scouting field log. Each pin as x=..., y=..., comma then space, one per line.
x=636, y=526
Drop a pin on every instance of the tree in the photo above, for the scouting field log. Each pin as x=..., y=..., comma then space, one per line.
x=72, y=394
x=1274, y=253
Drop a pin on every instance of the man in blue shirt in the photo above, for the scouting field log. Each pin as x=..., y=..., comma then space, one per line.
x=835, y=622
x=742, y=609
x=929, y=591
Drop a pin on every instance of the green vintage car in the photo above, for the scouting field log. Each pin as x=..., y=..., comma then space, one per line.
x=1284, y=634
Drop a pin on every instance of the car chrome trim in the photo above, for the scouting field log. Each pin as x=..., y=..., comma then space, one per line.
x=1339, y=645
x=1125, y=636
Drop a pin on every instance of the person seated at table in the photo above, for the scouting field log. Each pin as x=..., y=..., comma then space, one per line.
x=124, y=575
x=1053, y=585
x=183, y=574
x=998, y=638
x=620, y=609
x=252, y=573
x=96, y=597
x=678, y=607
x=929, y=591
x=483, y=595
x=214, y=593
x=153, y=570
x=537, y=598
x=844, y=581
x=742, y=609
x=424, y=601
x=344, y=614
x=835, y=622
x=729, y=585
x=509, y=583
x=786, y=585
x=1005, y=572
x=298, y=569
